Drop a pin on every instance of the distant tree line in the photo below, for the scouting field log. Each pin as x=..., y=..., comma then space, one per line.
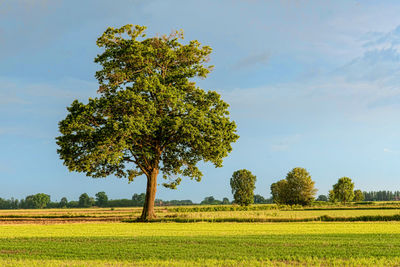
x=41, y=200
x=296, y=189
x=381, y=195
x=257, y=199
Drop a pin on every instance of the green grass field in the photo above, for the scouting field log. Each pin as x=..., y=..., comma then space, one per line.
x=188, y=244
x=99, y=237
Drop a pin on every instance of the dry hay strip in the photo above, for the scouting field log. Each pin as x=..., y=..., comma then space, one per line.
x=59, y=220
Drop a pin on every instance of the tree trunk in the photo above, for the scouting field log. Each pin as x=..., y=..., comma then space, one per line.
x=148, y=208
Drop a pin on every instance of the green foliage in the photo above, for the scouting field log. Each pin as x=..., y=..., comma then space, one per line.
x=138, y=199
x=243, y=185
x=322, y=198
x=296, y=189
x=343, y=190
x=331, y=196
x=63, y=202
x=11, y=203
x=37, y=201
x=258, y=199
x=382, y=195
x=175, y=202
x=358, y=195
x=279, y=192
x=85, y=201
x=73, y=204
x=120, y=203
x=225, y=201
x=149, y=114
x=101, y=199
x=210, y=201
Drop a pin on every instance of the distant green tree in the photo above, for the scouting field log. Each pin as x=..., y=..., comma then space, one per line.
x=297, y=188
x=343, y=190
x=358, y=195
x=63, y=202
x=243, y=185
x=279, y=192
x=322, y=198
x=210, y=201
x=175, y=202
x=258, y=199
x=92, y=201
x=225, y=201
x=138, y=199
x=101, y=199
x=331, y=196
x=119, y=203
x=37, y=201
x=28, y=203
x=41, y=200
x=73, y=204
x=84, y=201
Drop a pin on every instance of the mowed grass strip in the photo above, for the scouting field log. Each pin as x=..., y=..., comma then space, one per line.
x=163, y=243
x=253, y=247
x=190, y=263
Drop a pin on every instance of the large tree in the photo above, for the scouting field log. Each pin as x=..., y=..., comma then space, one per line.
x=38, y=201
x=101, y=199
x=243, y=185
x=85, y=201
x=150, y=116
x=279, y=192
x=297, y=188
x=343, y=190
x=358, y=195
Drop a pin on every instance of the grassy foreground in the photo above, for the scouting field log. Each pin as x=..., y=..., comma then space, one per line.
x=199, y=244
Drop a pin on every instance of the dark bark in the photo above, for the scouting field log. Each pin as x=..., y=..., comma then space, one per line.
x=148, y=208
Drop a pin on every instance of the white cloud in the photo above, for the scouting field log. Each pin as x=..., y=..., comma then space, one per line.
x=251, y=61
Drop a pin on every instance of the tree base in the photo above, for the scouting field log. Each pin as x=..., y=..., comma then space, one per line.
x=147, y=217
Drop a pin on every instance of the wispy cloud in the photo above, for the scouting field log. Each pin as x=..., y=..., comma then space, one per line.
x=388, y=150
x=367, y=88
x=251, y=61
x=382, y=40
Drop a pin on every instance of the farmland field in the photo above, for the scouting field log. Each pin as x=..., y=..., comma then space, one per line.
x=228, y=213
x=103, y=236
x=227, y=244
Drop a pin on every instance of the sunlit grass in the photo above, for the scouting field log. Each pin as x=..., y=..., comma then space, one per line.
x=168, y=213
x=201, y=244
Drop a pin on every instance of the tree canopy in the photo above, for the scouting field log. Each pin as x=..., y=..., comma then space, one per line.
x=343, y=190
x=297, y=188
x=101, y=199
x=358, y=195
x=150, y=116
x=85, y=201
x=243, y=185
x=37, y=201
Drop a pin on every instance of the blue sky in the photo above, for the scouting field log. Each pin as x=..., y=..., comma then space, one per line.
x=313, y=84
